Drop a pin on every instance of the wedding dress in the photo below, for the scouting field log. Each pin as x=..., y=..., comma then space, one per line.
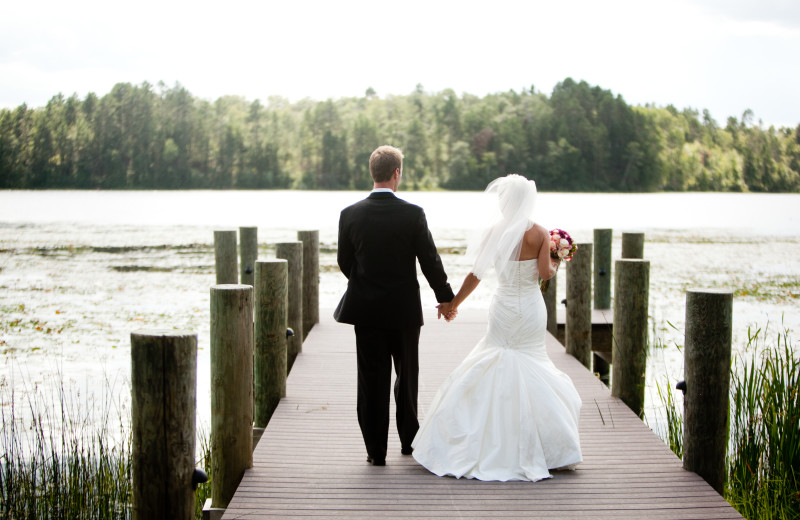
x=506, y=412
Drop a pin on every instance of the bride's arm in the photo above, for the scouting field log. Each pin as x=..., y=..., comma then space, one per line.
x=470, y=283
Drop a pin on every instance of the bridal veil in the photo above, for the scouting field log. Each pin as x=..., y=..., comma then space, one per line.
x=514, y=200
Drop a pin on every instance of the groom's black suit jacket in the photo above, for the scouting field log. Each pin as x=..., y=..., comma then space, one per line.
x=380, y=239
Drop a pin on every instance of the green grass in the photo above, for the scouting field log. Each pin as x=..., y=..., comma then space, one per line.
x=58, y=460
x=65, y=458
x=763, y=466
x=772, y=290
x=203, y=491
x=764, y=458
x=673, y=433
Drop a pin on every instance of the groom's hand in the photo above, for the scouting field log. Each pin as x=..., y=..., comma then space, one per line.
x=446, y=309
x=442, y=308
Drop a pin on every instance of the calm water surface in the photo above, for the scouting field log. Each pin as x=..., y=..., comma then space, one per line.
x=80, y=270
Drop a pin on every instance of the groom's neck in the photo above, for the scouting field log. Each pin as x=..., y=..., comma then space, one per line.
x=384, y=185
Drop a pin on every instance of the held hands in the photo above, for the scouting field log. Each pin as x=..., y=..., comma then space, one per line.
x=447, y=310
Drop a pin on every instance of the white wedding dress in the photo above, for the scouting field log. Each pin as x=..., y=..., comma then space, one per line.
x=506, y=412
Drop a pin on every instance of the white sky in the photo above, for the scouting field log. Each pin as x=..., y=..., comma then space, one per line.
x=723, y=55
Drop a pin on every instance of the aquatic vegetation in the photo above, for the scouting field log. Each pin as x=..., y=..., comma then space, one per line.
x=67, y=458
x=764, y=457
x=673, y=433
x=57, y=460
x=772, y=290
x=763, y=466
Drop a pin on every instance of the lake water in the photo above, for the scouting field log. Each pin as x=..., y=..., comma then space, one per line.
x=80, y=270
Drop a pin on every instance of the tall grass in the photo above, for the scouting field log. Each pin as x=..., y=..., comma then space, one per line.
x=59, y=459
x=763, y=466
x=65, y=458
x=764, y=458
x=673, y=433
x=203, y=491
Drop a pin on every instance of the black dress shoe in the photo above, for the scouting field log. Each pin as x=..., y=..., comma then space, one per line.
x=406, y=450
x=376, y=462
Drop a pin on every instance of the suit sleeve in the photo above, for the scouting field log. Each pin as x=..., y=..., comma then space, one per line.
x=430, y=262
x=345, y=255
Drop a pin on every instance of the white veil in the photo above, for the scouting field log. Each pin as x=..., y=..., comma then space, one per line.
x=501, y=242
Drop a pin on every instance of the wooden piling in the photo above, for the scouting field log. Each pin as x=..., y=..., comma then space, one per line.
x=602, y=268
x=549, y=295
x=163, y=404
x=225, y=257
x=292, y=252
x=231, y=388
x=310, y=240
x=270, y=337
x=632, y=245
x=248, y=253
x=578, y=328
x=707, y=364
x=629, y=350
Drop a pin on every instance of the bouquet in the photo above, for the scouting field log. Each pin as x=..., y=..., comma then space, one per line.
x=561, y=247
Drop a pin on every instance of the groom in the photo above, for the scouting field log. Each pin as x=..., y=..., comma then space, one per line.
x=380, y=239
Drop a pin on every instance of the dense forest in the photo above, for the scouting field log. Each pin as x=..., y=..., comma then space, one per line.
x=580, y=138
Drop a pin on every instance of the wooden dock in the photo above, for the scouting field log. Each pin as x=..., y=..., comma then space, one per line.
x=310, y=461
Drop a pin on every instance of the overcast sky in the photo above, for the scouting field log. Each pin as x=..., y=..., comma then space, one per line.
x=722, y=55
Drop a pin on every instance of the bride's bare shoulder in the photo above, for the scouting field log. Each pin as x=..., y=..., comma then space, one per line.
x=533, y=239
x=537, y=231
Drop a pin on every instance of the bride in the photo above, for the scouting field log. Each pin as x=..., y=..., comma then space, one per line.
x=506, y=412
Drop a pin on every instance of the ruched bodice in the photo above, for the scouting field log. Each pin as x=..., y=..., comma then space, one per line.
x=517, y=314
x=506, y=412
x=523, y=275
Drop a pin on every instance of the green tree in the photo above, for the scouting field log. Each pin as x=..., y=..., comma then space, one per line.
x=580, y=138
x=364, y=140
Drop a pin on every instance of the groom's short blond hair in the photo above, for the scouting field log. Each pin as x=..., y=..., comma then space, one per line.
x=384, y=161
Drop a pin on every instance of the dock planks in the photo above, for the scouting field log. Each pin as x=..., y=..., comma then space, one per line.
x=310, y=461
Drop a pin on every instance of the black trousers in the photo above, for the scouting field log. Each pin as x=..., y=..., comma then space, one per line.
x=376, y=349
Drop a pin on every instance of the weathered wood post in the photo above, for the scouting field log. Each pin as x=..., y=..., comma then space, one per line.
x=629, y=343
x=231, y=388
x=549, y=296
x=310, y=240
x=707, y=365
x=292, y=252
x=225, y=257
x=270, y=337
x=602, y=289
x=602, y=268
x=248, y=253
x=578, y=327
x=632, y=245
x=163, y=404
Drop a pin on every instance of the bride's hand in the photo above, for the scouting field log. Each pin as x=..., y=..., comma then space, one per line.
x=446, y=309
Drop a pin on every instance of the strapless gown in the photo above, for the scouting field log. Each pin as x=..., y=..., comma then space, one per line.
x=506, y=412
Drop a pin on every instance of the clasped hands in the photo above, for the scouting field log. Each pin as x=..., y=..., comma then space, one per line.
x=447, y=310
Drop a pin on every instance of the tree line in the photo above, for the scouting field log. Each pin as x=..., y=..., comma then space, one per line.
x=580, y=138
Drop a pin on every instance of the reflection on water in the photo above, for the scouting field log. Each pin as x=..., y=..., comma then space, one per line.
x=80, y=270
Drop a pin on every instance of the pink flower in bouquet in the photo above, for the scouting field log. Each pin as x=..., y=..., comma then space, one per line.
x=561, y=247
